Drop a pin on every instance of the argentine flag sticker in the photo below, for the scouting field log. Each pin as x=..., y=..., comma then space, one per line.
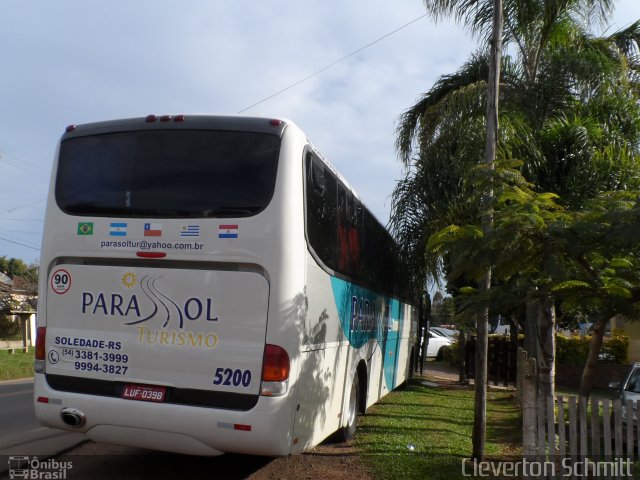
x=118, y=229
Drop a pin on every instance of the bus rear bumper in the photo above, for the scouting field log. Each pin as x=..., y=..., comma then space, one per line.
x=151, y=439
x=264, y=430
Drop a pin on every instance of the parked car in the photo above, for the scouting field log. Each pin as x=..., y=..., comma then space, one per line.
x=436, y=343
x=629, y=389
x=446, y=332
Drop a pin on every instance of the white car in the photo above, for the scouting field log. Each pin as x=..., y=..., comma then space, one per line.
x=436, y=342
x=629, y=389
x=446, y=332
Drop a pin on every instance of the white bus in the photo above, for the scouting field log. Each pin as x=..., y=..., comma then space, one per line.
x=211, y=284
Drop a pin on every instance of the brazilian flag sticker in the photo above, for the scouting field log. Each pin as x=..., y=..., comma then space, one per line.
x=85, y=228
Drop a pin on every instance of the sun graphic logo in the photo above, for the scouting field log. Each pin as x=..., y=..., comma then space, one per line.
x=129, y=280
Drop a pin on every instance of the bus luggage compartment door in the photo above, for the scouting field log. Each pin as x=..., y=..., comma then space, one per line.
x=183, y=329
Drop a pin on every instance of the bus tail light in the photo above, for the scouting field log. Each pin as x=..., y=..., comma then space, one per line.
x=242, y=427
x=151, y=254
x=41, y=335
x=275, y=371
x=164, y=118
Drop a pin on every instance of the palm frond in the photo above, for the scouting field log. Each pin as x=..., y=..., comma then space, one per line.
x=422, y=114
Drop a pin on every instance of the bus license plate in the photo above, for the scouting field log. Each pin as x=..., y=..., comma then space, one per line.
x=146, y=393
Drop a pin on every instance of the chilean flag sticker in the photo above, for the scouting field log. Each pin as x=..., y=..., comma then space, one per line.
x=227, y=231
x=152, y=229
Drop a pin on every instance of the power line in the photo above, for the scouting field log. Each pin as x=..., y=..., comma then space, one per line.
x=323, y=69
x=10, y=210
x=35, y=166
x=20, y=243
x=21, y=219
x=35, y=169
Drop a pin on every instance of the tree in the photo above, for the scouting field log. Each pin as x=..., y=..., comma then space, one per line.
x=25, y=277
x=603, y=249
x=588, y=258
x=569, y=110
x=442, y=310
x=482, y=320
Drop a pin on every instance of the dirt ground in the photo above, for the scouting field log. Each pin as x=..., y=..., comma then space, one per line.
x=100, y=461
x=327, y=461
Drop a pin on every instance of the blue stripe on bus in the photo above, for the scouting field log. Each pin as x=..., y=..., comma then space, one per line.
x=366, y=315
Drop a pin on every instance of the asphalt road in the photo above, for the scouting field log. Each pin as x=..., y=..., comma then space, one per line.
x=16, y=409
x=99, y=461
x=21, y=436
x=20, y=432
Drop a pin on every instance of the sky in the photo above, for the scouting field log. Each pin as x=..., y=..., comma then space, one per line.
x=77, y=61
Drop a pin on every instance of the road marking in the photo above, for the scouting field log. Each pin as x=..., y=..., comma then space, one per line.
x=16, y=381
x=19, y=392
x=38, y=429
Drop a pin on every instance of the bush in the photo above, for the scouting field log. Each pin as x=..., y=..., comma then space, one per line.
x=615, y=350
x=454, y=353
x=450, y=353
x=9, y=330
x=574, y=350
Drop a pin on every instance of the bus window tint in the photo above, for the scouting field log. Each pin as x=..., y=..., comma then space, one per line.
x=345, y=236
x=321, y=212
x=168, y=173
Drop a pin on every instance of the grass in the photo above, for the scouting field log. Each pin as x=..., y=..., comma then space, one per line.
x=16, y=365
x=424, y=432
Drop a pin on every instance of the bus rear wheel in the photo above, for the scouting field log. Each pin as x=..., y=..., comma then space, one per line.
x=347, y=432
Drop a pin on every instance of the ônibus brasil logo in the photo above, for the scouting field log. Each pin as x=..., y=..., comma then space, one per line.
x=22, y=466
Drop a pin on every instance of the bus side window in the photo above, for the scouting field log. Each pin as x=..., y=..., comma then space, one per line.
x=343, y=231
x=317, y=180
x=349, y=235
x=321, y=211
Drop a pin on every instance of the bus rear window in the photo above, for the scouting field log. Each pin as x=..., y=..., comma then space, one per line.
x=167, y=173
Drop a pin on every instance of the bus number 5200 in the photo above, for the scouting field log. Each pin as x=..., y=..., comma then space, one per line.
x=227, y=376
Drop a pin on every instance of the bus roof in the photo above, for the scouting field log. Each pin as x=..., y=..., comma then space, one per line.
x=224, y=122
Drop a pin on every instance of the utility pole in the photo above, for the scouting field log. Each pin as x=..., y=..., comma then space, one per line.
x=482, y=320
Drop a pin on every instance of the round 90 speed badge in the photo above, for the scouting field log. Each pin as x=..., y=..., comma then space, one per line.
x=60, y=281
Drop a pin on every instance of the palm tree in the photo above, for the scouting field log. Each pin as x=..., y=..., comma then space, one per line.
x=569, y=109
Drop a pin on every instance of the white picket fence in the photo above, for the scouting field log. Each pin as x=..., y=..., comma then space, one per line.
x=570, y=426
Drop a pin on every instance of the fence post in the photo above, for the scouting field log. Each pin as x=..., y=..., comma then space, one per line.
x=595, y=427
x=573, y=428
x=617, y=418
x=520, y=369
x=636, y=422
x=606, y=427
x=629, y=426
x=582, y=413
x=529, y=404
x=551, y=424
x=562, y=429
